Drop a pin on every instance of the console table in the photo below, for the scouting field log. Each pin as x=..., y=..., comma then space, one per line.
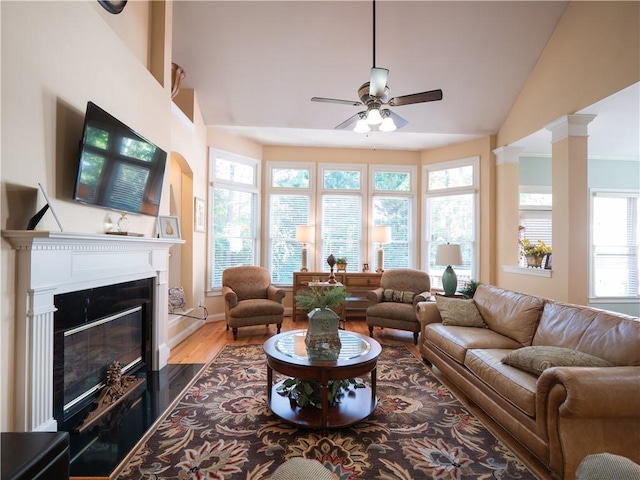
x=356, y=283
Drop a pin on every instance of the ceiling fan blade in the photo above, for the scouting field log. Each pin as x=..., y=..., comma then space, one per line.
x=378, y=81
x=430, y=96
x=398, y=120
x=353, y=103
x=350, y=121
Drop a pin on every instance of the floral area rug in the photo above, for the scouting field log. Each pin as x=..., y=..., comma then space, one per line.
x=222, y=429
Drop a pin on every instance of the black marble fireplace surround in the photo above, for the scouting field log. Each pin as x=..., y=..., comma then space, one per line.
x=92, y=328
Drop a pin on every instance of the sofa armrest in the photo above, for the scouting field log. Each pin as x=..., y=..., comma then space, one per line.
x=589, y=392
x=276, y=294
x=427, y=313
x=375, y=296
x=230, y=297
x=584, y=410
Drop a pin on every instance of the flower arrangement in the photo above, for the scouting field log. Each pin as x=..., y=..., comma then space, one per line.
x=539, y=249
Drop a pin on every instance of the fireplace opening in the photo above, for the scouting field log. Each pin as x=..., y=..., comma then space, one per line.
x=92, y=329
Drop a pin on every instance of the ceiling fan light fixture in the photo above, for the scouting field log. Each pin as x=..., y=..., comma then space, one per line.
x=374, y=117
x=387, y=125
x=362, y=126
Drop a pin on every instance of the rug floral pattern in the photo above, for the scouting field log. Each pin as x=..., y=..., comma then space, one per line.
x=222, y=429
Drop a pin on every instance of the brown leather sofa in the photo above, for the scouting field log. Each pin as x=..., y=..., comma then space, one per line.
x=565, y=413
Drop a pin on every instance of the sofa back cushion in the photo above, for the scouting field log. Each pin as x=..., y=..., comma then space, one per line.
x=609, y=335
x=512, y=314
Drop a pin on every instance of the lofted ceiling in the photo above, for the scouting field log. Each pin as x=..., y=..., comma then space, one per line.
x=256, y=65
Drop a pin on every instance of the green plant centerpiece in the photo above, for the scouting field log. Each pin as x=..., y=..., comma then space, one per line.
x=534, y=252
x=322, y=339
x=323, y=344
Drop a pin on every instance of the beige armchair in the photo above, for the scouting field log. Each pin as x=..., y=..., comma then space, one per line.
x=393, y=304
x=250, y=299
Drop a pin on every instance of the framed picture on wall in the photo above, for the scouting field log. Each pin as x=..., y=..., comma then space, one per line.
x=168, y=227
x=199, y=212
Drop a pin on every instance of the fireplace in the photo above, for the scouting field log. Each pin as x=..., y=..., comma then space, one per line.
x=52, y=264
x=92, y=329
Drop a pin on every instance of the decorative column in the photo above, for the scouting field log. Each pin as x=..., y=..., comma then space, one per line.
x=570, y=206
x=508, y=197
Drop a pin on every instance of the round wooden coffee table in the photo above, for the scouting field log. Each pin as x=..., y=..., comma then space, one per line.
x=287, y=354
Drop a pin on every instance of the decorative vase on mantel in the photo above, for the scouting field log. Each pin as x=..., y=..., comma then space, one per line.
x=322, y=339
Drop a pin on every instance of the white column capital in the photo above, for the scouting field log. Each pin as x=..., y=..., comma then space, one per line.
x=575, y=125
x=508, y=154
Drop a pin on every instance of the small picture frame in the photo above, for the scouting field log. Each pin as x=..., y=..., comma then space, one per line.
x=168, y=227
x=199, y=215
x=365, y=267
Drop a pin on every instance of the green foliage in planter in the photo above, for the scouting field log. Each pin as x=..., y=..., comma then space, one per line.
x=469, y=290
x=326, y=297
x=341, y=260
x=307, y=392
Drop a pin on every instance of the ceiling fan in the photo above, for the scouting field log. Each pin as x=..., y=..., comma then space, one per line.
x=374, y=95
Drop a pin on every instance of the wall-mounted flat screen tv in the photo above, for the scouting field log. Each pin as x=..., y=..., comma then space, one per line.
x=118, y=169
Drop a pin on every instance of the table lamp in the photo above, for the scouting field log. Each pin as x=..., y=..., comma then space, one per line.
x=381, y=234
x=448, y=254
x=304, y=234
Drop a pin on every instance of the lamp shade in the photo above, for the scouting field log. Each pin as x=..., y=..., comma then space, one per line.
x=448, y=254
x=304, y=233
x=382, y=234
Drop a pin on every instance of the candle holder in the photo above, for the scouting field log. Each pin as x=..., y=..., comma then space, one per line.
x=331, y=260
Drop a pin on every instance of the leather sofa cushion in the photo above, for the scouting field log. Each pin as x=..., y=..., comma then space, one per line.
x=455, y=341
x=590, y=330
x=512, y=314
x=516, y=386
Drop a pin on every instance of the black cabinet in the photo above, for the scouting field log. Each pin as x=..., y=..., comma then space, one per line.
x=35, y=455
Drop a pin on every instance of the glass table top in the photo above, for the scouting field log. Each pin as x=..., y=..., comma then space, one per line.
x=292, y=345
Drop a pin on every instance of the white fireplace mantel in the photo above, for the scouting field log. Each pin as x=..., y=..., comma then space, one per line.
x=51, y=263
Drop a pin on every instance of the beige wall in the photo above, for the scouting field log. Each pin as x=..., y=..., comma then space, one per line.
x=593, y=53
x=56, y=56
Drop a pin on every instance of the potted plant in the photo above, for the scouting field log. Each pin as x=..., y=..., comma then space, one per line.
x=341, y=262
x=534, y=252
x=307, y=392
x=322, y=339
x=469, y=290
x=322, y=297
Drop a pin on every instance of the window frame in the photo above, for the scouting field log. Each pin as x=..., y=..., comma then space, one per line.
x=271, y=190
x=610, y=193
x=411, y=195
x=473, y=189
x=320, y=263
x=253, y=189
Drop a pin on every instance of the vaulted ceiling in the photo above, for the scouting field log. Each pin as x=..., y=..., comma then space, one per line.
x=256, y=65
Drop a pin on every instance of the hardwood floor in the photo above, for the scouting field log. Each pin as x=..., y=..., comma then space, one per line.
x=208, y=341
x=204, y=345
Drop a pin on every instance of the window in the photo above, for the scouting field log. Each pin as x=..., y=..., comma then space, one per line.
x=233, y=214
x=289, y=205
x=615, y=244
x=392, y=204
x=451, y=216
x=342, y=214
x=535, y=215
